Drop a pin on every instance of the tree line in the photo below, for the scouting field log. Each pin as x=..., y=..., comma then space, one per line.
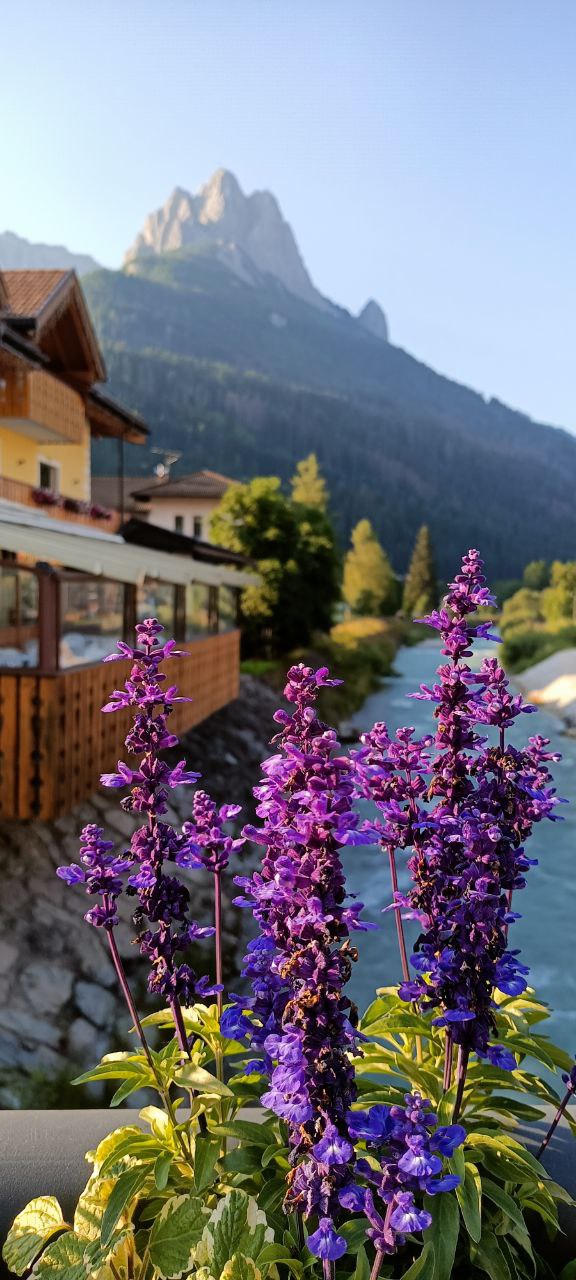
x=303, y=577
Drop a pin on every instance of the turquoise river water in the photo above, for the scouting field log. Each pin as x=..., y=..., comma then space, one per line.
x=546, y=932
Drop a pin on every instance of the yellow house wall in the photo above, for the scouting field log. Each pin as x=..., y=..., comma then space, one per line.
x=20, y=458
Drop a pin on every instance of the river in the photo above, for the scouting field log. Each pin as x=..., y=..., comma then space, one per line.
x=545, y=934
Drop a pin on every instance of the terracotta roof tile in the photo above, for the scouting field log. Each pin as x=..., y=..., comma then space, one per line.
x=29, y=291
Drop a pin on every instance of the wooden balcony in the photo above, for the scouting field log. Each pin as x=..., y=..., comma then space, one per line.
x=34, y=403
x=55, y=743
x=16, y=491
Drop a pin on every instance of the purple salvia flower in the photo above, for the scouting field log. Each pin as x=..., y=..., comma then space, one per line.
x=101, y=871
x=406, y=1148
x=465, y=813
x=298, y=1014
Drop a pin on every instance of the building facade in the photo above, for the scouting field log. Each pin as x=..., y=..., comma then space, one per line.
x=71, y=585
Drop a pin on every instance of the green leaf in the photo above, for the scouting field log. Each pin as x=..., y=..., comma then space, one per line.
x=162, y=1169
x=488, y=1257
x=116, y=1067
x=506, y=1160
x=131, y=1085
x=568, y=1272
x=96, y=1254
x=271, y=1195
x=63, y=1259
x=259, y=1135
x=354, y=1232
x=175, y=1233
x=227, y=1224
x=241, y=1160
x=423, y=1267
x=124, y=1190
x=240, y=1268
x=442, y=1236
x=136, y=1144
x=469, y=1196
x=30, y=1232
x=194, y=1077
x=207, y=1150
x=362, y=1270
x=506, y=1203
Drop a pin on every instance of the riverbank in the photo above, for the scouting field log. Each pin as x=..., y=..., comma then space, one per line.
x=59, y=1010
x=552, y=684
x=358, y=651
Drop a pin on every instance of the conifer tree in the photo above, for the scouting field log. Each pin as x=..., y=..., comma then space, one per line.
x=308, y=484
x=421, y=586
x=369, y=585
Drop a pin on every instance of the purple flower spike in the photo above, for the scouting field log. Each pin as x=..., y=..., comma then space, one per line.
x=102, y=874
x=300, y=1018
x=462, y=805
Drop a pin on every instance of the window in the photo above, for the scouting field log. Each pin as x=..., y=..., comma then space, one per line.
x=197, y=610
x=197, y=526
x=228, y=608
x=179, y=524
x=18, y=617
x=157, y=600
x=92, y=613
x=49, y=476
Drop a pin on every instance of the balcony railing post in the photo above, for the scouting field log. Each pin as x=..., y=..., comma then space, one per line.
x=48, y=618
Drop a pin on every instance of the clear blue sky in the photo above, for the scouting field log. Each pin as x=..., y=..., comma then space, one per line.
x=423, y=150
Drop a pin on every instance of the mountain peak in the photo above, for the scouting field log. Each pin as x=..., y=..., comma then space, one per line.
x=372, y=318
x=239, y=226
x=18, y=254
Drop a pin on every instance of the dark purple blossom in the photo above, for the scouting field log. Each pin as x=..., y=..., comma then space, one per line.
x=464, y=808
x=101, y=871
x=163, y=901
x=406, y=1147
x=299, y=1017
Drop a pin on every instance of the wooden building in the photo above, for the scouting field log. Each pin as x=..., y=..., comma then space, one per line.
x=71, y=583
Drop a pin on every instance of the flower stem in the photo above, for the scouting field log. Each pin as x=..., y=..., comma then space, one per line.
x=556, y=1121
x=163, y=1091
x=218, y=959
x=375, y=1272
x=463, y=1056
x=401, y=938
x=328, y=1269
x=399, y=922
x=448, y=1057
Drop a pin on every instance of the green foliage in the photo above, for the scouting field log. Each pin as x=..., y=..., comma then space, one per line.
x=369, y=585
x=536, y=575
x=308, y=484
x=486, y=1223
x=166, y=1200
x=295, y=552
x=421, y=585
x=537, y=622
x=30, y=1232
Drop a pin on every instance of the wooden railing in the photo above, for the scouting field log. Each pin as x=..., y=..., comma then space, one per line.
x=38, y=397
x=17, y=491
x=55, y=743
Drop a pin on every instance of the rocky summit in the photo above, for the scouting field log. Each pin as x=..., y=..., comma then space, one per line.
x=247, y=233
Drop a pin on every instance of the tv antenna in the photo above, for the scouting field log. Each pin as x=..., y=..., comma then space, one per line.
x=167, y=460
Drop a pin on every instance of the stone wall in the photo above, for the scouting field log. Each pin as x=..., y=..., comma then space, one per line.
x=58, y=1002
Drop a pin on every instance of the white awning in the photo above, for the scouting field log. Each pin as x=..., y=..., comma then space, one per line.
x=105, y=554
